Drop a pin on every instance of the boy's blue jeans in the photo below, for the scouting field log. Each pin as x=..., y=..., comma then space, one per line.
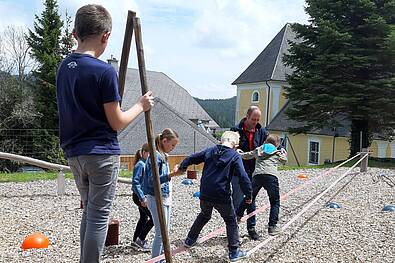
x=228, y=215
x=157, y=244
x=238, y=199
x=270, y=183
x=96, y=179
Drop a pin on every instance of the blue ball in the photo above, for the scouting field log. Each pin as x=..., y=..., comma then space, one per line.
x=333, y=205
x=389, y=208
x=196, y=194
x=187, y=182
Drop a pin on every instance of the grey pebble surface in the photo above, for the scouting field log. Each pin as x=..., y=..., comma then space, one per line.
x=357, y=232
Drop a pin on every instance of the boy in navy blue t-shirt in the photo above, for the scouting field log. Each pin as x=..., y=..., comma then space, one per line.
x=221, y=163
x=89, y=117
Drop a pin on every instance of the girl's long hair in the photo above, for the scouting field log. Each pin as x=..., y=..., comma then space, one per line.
x=167, y=134
x=139, y=154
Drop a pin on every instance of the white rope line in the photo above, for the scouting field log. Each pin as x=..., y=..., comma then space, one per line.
x=253, y=250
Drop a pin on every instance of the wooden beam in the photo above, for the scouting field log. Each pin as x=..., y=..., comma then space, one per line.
x=151, y=143
x=127, y=41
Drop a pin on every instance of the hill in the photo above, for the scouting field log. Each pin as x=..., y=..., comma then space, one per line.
x=221, y=110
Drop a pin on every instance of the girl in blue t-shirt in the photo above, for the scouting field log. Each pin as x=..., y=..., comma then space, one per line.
x=145, y=222
x=165, y=143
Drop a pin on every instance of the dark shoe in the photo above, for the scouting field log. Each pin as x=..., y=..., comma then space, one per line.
x=189, y=242
x=253, y=234
x=273, y=230
x=142, y=245
x=237, y=255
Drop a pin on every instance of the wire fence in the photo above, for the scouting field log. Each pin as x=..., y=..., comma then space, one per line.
x=42, y=144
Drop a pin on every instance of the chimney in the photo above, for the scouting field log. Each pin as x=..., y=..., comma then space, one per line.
x=113, y=62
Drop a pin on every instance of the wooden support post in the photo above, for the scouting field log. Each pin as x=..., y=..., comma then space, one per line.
x=364, y=163
x=127, y=41
x=61, y=183
x=150, y=137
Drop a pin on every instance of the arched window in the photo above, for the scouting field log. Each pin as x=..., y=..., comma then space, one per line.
x=255, y=96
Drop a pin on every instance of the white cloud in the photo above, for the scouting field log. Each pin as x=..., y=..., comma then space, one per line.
x=203, y=45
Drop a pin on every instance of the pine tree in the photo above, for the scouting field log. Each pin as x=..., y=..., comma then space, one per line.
x=344, y=68
x=45, y=48
x=67, y=41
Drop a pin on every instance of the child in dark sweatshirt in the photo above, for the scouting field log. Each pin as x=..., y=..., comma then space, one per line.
x=221, y=163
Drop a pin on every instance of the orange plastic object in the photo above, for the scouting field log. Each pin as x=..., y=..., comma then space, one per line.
x=35, y=240
x=302, y=176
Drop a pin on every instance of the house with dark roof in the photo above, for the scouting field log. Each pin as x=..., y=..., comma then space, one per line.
x=262, y=84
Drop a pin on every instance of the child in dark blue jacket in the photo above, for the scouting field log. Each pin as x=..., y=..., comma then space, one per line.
x=221, y=163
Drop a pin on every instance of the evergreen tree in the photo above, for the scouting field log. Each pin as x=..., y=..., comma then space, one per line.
x=344, y=68
x=46, y=49
x=67, y=41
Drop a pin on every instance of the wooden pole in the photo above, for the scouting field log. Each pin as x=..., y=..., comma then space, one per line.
x=127, y=41
x=364, y=163
x=150, y=136
x=292, y=148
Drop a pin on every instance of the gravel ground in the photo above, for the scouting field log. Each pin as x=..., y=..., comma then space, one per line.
x=358, y=232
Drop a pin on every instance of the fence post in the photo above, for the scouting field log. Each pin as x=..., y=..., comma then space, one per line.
x=61, y=183
x=364, y=163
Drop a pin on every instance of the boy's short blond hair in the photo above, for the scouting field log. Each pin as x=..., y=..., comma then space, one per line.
x=230, y=136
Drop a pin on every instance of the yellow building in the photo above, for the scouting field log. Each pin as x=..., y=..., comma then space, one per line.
x=262, y=84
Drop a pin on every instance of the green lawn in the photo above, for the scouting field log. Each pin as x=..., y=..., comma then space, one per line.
x=28, y=177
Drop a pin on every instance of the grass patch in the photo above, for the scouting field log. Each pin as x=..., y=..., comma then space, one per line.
x=29, y=177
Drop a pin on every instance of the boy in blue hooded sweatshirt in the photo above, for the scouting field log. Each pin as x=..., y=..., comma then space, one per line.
x=221, y=163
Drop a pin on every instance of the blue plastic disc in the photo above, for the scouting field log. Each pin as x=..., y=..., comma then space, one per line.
x=333, y=205
x=187, y=181
x=196, y=194
x=389, y=208
x=269, y=148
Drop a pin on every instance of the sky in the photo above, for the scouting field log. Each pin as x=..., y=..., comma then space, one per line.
x=203, y=45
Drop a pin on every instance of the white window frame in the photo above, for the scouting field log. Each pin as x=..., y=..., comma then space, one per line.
x=313, y=140
x=252, y=96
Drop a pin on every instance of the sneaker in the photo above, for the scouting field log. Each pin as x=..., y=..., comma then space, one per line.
x=237, y=255
x=189, y=242
x=273, y=230
x=142, y=245
x=253, y=234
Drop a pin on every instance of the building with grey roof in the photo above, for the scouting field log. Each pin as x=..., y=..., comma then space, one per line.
x=191, y=137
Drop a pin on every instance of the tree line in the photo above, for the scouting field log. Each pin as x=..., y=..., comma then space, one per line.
x=28, y=63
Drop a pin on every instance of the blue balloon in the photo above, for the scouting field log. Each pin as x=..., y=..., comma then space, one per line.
x=333, y=205
x=269, y=148
x=187, y=181
x=196, y=194
x=389, y=208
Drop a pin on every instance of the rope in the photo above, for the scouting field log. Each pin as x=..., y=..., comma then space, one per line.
x=261, y=209
x=250, y=252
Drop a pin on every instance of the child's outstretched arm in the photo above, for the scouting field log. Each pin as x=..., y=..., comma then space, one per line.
x=196, y=158
x=247, y=155
x=119, y=119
